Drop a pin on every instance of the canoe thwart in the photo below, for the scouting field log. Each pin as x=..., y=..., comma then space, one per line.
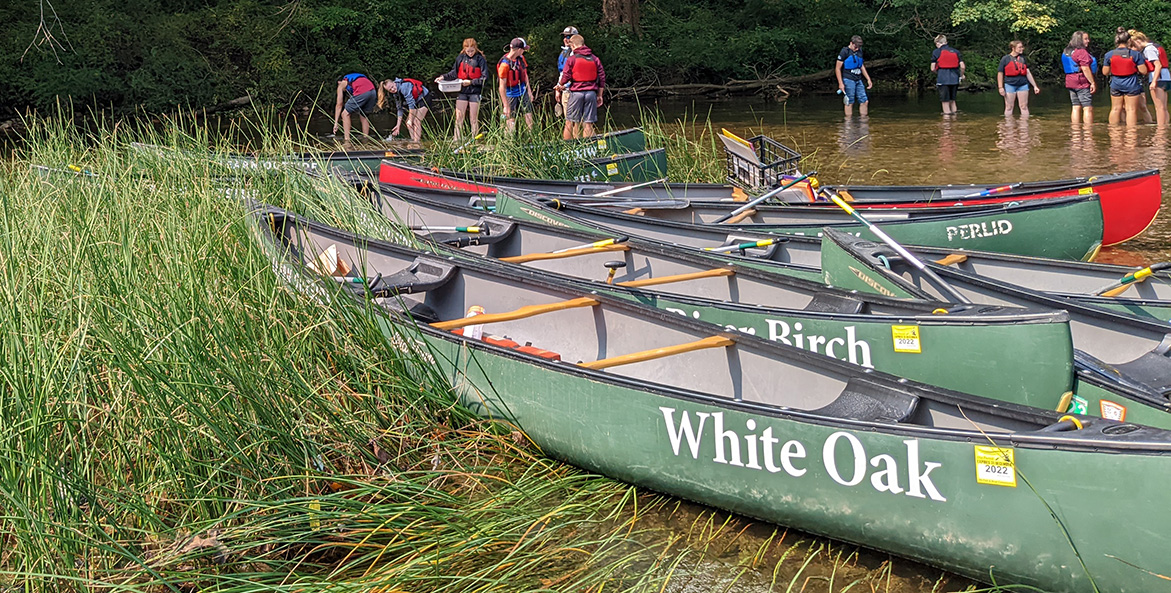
x=655, y=353
x=521, y=313
x=530, y=257
x=713, y=273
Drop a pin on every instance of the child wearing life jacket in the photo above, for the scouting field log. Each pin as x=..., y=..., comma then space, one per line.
x=515, y=92
x=361, y=99
x=1125, y=67
x=1158, y=76
x=850, y=70
x=1014, y=79
x=949, y=68
x=417, y=99
x=1079, y=67
x=584, y=79
x=471, y=69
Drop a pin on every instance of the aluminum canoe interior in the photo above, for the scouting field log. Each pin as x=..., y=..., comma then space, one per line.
x=573, y=331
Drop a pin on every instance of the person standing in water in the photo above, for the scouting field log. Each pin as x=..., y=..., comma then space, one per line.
x=1158, y=75
x=850, y=71
x=414, y=95
x=1014, y=79
x=566, y=50
x=948, y=66
x=362, y=99
x=471, y=69
x=1125, y=68
x=1079, y=67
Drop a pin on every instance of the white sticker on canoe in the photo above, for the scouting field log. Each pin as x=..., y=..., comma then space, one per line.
x=1112, y=411
x=996, y=466
x=979, y=230
x=906, y=338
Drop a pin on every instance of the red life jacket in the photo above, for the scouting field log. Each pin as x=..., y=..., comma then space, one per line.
x=416, y=88
x=1015, y=67
x=518, y=71
x=583, y=68
x=1162, y=58
x=468, y=69
x=948, y=58
x=1121, y=63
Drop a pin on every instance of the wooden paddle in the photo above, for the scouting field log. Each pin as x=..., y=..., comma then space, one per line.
x=940, y=283
x=753, y=203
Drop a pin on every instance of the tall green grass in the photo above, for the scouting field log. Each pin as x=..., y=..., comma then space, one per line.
x=173, y=417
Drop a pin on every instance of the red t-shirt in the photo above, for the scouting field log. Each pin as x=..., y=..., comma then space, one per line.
x=1078, y=79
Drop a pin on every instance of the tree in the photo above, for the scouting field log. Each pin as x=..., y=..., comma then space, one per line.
x=621, y=13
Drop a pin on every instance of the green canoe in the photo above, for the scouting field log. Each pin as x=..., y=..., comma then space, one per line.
x=1110, y=342
x=986, y=489
x=366, y=162
x=1031, y=352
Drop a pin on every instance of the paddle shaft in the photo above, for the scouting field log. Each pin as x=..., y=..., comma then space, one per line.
x=760, y=199
x=942, y=284
x=611, y=192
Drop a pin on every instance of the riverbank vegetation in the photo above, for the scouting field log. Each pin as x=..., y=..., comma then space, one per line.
x=173, y=418
x=162, y=55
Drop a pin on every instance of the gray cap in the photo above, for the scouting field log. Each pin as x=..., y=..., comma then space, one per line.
x=569, y=31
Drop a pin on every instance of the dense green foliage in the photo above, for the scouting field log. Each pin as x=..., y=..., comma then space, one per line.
x=158, y=55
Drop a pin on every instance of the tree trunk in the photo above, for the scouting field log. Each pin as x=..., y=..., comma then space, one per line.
x=621, y=13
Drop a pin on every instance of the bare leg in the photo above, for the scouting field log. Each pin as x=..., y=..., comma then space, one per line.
x=954, y=109
x=529, y=121
x=1009, y=103
x=510, y=126
x=864, y=108
x=1160, y=98
x=417, y=120
x=346, y=124
x=1075, y=115
x=587, y=129
x=1116, y=109
x=1022, y=99
x=1143, y=112
x=849, y=109
x=1132, y=108
x=461, y=106
x=474, y=116
x=1087, y=115
x=567, y=131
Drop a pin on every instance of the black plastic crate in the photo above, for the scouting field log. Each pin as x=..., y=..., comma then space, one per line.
x=772, y=160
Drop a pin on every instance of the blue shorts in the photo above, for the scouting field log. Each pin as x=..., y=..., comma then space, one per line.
x=1014, y=88
x=855, y=91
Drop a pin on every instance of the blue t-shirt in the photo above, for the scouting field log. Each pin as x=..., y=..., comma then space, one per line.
x=946, y=76
x=1129, y=83
x=406, y=95
x=851, y=63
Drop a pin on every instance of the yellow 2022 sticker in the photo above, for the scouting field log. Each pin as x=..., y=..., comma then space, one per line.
x=996, y=466
x=1085, y=190
x=602, y=144
x=611, y=169
x=906, y=338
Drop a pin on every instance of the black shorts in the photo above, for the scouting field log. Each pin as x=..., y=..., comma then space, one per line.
x=519, y=105
x=469, y=97
x=947, y=92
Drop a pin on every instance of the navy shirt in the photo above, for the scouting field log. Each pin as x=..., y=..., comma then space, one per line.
x=851, y=63
x=1018, y=80
x=1130, y=84
x=946, y=76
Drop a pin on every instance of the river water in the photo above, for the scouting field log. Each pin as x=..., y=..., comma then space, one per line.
x=904, y=140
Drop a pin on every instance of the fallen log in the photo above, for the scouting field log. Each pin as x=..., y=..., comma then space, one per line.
x=228, y=105
x=774, y=85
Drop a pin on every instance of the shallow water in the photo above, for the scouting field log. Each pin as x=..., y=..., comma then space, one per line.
x=906, y=140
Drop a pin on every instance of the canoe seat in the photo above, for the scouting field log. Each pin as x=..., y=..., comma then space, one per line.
x=1152, y=369
x=828, y=302
x=423, y=274
x=867, y=401
x=528, y=348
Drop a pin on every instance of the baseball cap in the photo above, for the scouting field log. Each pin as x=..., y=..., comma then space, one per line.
x=569, y=31
x=519, y=42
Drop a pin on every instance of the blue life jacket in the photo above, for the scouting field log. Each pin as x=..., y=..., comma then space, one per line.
x=1071, y=67
x=853, y=61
